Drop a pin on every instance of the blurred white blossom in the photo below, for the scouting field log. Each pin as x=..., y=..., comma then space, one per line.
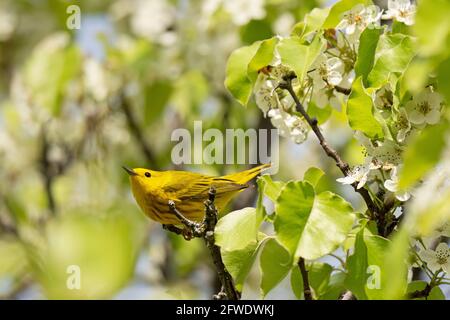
x=401, y=10
x=358, y=18
x=425, y=107
x=95, y=79
x=283, y=25
x=153, y=20
x=392, y=186
x=289, y=126
x=8, y=22
x=242, y=11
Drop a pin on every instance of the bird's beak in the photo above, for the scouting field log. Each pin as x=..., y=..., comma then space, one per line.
x=129, y=171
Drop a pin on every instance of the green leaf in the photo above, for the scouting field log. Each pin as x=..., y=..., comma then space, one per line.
x=360, y=112
x=237, y=80
x=156, y=96
x=262, y=58
x=298, y=56
x=313, y=175
x=311, y=23
x=393, y=54
x=319, y=275
x=423, y=153
x=239, y=262
x=297, y=282
x=443, y=78
x=357, y=268
x=366, y=52
x=432, y=27
x=335, y=287
x=394, y=271
x=272, y=188
x=338, y=10
x=310, y=225
x=237, y=229
x=275, y=263
x=260, y=209
x=366, y=266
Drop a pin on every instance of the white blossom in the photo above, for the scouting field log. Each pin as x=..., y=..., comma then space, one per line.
x=325, y=97
x=327, y=72
x=402, y=124
x=401, y=10
x=8, y=22
x=95, y=79
x=384, y=98
x=358, y=18
x=359, y=173
x=392, y=186
x=242, y=11
x=425, y=108
x=437, y=259
x=265, y=96
x=152, y=19
x=289, y=126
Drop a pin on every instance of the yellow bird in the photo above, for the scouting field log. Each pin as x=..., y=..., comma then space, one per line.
x=153, y=190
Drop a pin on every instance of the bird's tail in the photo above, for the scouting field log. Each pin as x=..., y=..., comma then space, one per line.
x=247, y=175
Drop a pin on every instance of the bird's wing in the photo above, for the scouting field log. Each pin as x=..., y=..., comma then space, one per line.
x=198, y=188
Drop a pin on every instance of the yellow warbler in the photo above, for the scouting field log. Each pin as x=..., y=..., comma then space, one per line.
x=153, y=190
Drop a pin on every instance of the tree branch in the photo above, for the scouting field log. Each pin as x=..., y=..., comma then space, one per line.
x=136, y=130
x=205, y=230
x=306, y=287
x=421, y=293
x=343, y=166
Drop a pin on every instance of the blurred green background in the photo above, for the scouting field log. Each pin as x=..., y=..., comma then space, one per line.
x=76, y=105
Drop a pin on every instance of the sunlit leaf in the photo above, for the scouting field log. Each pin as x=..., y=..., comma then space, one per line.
x=310, y=225
x=299, y=56
x=275, y=263
x=360, y=112
x=423, y=153
x=237, y=80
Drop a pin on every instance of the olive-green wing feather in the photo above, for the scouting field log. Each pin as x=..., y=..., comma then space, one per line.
x=199, y=187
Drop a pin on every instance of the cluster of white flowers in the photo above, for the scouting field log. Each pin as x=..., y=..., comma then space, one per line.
x=279, y=110
x=328, y=83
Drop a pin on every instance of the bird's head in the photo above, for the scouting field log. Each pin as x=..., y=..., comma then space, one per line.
x=143, y=180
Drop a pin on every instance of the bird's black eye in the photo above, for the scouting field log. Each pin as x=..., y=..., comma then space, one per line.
x=147, y=174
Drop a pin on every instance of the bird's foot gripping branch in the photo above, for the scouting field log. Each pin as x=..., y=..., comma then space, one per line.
x=205, y=230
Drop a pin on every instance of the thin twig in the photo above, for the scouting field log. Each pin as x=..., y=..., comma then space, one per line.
x=306, y=287
x=136, y=130
x=343, y=166
x=205, y=230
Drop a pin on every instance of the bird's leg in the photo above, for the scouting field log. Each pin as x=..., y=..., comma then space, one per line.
x=193, y=229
